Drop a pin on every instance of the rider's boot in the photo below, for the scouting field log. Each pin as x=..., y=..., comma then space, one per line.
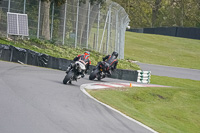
x=79, y=76
x=83, y=75
x=99, y=77
x=109, y=73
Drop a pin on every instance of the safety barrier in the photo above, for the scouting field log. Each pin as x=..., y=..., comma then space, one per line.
x=143, y=76
x=185, y=32
x=25, y=56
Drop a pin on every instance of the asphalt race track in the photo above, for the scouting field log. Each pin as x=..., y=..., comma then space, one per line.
x=34, y=100
x=176, y=72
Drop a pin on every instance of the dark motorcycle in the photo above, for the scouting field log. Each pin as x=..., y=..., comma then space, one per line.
x=100, y=71
x=76, y=72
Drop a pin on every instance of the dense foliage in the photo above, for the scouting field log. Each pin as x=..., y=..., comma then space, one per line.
x=157, y=13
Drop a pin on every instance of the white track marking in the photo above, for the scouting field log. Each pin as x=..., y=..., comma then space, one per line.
x=82, y=88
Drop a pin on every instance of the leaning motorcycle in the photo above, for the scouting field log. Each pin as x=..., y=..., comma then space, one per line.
x=100, y=71
x=76, y=71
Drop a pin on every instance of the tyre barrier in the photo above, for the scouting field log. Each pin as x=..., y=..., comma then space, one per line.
x=143, y=76
x=26, y=56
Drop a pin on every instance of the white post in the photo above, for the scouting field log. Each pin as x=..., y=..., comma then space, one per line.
x=63, y=41
x=77, y=24
x=24, y=6
x=108, y=31
x=117, y=31
x=88, y=25
x=7, y=15
x=98, y=28
x=38, y=30
x=9, y=6
x=103, y=31
x=52, y=18
x=120, y=38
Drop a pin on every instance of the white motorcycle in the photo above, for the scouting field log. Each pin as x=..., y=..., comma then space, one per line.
x=76, y=71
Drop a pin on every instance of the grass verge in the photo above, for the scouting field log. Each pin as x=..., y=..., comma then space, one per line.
x=166, y=110
x=162, y=50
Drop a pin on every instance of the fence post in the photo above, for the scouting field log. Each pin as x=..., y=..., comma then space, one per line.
x=63, y=41
x=24, y=6
x=8, y=5
x=103, y=31
x=52, y=18
x=108, y=30
x=77, y=24
x=88, y=24
x=38, y=30
x=8, y=11
x=117, y=31
x=120, y=38
x=97, y=40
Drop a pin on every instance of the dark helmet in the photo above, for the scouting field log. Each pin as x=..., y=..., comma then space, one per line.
x=115, y=54
x=87, y=53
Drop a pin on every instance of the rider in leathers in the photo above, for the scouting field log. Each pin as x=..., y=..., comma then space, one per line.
x=85, y=59
x=112, y=61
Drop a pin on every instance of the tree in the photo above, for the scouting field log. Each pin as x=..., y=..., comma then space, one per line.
x=45, y=9
x=155, y=11
x=45, y=29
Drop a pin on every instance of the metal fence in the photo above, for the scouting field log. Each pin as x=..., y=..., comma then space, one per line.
x=85, y=25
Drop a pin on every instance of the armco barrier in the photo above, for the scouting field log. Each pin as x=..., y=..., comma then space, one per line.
x=193, y=33
x=18, y=54
x=139, y=30
x=63, y=64
x=149, y=30
x=15, y=54
x=185, y=32
x=5, y=52
x=32, y=58
x=53, y=63
x=168, y=31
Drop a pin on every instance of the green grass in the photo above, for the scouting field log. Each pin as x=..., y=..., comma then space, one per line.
x=63, y=51
x=163, y=50
x=166, y=110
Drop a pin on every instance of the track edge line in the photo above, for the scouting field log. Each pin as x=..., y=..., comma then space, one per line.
x=82, y=88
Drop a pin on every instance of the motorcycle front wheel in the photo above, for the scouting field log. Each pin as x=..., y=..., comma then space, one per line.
x=93, y=74
x=68, y=77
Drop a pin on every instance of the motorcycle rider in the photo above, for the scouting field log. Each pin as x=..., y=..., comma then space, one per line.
x=112, y=61
x=83, y=58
